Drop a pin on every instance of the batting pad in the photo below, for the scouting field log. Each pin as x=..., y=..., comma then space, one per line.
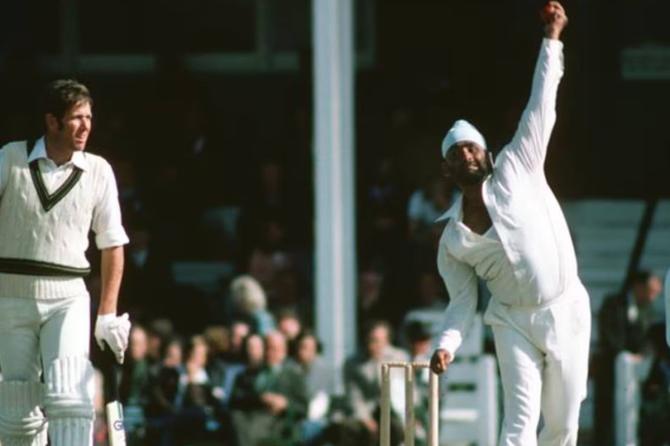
x=21, y=420
x=69, y=401
x=70, y=388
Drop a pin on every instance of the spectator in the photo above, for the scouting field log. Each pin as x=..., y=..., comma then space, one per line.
x=223, y=374
x=289, y=324
x=249, y=302
x=319, y=377
x=239, y=330
x=133, y=390
x=362, y=379
x=158, y=332
x=166, y=395
x=200, y=410
x=182, y=405
x=134, y=386
x=320, y=383
x=270, y=407
x=244, y=374
x=623, y=322
x=253, y=352
x=654, y=428
x=418, y=337
x=218, y=345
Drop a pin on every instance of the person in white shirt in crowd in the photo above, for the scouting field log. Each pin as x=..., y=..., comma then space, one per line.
x=52, y=193
x=320, y=381
x=509, y=230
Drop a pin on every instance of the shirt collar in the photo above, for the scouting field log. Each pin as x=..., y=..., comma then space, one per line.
x=453, y=212
x=40, y=151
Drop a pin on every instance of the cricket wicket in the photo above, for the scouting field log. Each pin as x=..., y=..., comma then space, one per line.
x=433, y=401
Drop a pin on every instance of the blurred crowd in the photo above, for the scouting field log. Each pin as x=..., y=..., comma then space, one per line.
x=258, y=380
x=239, y=362
x=628, y=321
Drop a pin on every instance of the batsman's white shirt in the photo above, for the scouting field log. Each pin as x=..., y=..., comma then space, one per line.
x=60, y=235
x=537, y=263
x=106, y=222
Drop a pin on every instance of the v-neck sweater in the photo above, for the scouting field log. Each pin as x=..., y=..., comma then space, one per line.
x=44, y=233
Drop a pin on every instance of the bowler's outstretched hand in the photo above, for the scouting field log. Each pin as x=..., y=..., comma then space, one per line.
x=555, y=20
x=440, y=360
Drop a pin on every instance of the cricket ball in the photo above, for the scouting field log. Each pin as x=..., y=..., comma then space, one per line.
x=547, y=12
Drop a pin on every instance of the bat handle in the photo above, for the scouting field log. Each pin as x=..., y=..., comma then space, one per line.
x=110, y=371
x=113, y=408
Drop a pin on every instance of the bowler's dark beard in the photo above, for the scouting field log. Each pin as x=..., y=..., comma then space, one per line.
x=466, y=177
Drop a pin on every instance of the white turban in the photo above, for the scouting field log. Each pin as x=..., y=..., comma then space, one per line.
x=462, y=130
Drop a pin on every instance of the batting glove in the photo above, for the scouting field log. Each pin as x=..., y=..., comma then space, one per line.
x=113, y=331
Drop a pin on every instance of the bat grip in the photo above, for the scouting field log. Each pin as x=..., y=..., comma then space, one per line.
x=111, y=370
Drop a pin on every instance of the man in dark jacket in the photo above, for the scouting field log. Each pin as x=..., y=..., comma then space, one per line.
x=268, y=409
x=623, y=322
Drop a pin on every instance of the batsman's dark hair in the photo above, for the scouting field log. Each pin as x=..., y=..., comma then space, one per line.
x=61, y=94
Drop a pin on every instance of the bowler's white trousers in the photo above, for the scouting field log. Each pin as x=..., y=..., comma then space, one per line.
x=49, y=336
x=543, y=355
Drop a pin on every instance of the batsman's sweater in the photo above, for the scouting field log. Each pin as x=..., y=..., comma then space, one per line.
x=46, y=213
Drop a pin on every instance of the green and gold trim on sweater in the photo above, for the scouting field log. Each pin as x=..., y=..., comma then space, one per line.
x=50, y=200
x=39, y=268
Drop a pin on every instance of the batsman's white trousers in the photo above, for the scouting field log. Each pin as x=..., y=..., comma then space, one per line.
x=49, y=336
x=38, y=331
x=543, y=355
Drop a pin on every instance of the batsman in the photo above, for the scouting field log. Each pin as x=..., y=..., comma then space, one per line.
x=508, y=229
x=52, y=194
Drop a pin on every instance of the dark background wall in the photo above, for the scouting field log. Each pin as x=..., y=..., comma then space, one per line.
x=434, y=61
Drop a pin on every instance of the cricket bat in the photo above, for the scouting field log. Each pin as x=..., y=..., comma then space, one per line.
x=113, y=408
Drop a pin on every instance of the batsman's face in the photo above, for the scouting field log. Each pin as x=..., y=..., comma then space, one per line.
x=467, y=163
x=73, y=130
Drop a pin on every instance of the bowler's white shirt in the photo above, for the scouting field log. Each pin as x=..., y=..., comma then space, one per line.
x=539, y=263
x=106, y=222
